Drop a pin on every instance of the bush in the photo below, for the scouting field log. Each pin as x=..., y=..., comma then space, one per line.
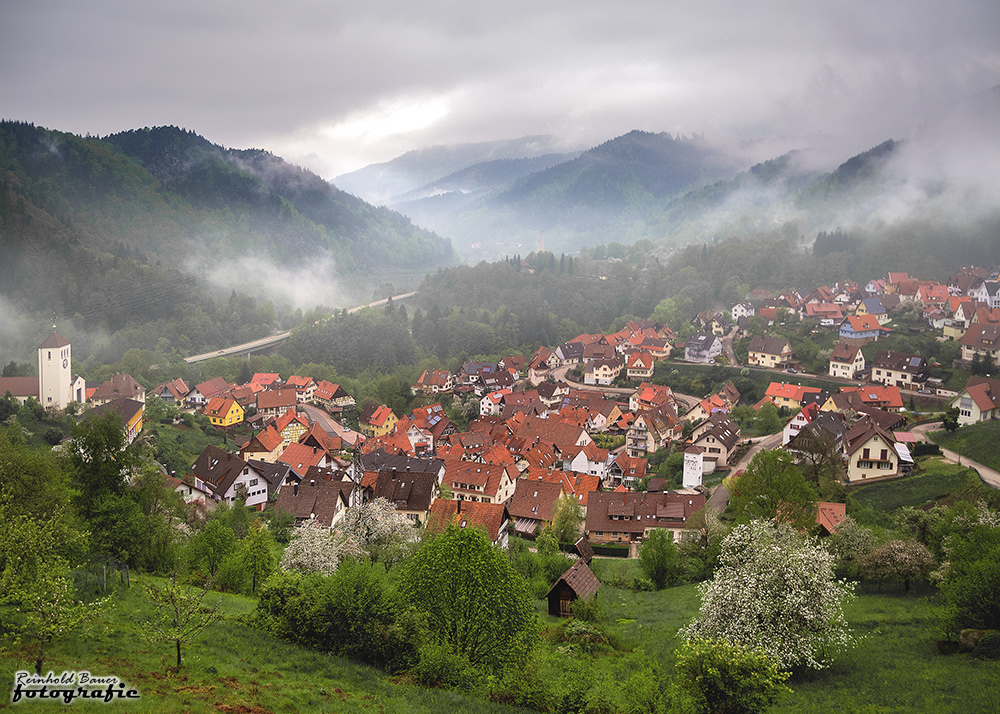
x=988, y=647
x=440, y=666
x=715, y=677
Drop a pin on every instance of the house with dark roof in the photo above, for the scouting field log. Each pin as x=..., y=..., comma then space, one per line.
x=981, y=342
x=718, y=436
x=315, y=501
x=130, y=411
x=899, y=369
x=626, y=517
x=577, y=583
x=411, y=492
x=770, y=352
x=228, y=478
x=532, y=506
x=870, y=452
x=702, y=348
x=847, y=361
x=120, y=386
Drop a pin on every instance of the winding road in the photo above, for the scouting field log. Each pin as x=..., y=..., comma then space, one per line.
x=988, y=475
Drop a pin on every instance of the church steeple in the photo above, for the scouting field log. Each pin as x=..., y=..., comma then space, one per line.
x=55, y=389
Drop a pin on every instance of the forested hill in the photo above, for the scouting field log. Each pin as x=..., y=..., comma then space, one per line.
x=170, y=194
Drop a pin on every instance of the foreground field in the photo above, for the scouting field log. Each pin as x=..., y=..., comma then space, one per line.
x=232, y=668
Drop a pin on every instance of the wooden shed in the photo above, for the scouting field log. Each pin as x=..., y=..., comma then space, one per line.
x=577, y=582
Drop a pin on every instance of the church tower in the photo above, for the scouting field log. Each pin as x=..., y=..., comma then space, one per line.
x=55, y=389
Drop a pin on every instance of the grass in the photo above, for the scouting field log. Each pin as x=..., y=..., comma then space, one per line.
x=979, y=442
x=230, y=667
x=895, y=667
x=936, y=480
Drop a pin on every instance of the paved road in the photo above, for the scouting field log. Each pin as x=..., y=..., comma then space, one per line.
x=281, y=336
x=763, y=443
x=988, y=475
x=559, y=374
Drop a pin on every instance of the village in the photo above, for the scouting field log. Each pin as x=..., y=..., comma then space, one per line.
x=575, y=421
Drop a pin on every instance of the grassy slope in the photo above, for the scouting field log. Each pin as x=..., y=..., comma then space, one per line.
x=230, y=668
x=979, y=442
x=936, y=480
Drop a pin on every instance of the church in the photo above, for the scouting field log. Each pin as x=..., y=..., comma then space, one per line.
x=55, y=386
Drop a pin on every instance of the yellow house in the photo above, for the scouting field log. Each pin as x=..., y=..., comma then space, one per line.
x=223, y=412
x=377, y=420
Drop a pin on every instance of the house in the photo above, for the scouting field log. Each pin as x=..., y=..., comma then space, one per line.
x=625, y=470
x=174, y=392
x=639, y=366
x=266, y=380
x=434, y=381
x=706, y=407
x=847, y=361
x=743, y=309
x=332, y=397
x=300, y=457
x=989, y=293
x=229, y=478
x=223, y=412
x=577, y=583
x=489, y=483
x=900, y=369
x=626, y=517
x=790, y=396
x=291, y=426
x=377, y=420
x=829, y=516
x=493, y=518
x=770, y=352
x=490, y=403
x=979, y=401
x=120, y=386
x=275, y=402
x=316, y=500
x=873, y=306
x=602, y=371
x=543, y=361
x=702, y=348
x=651, y=396
x=981, y=342
x=265, y=445
x=588, y=459
x=532, y=506
x=305, y=388
x=803, y=417
x=411, y=492
x=870, y=452
x=877, y=396
x=131, y=412
x=570, y=353
x=862, y=329
x=651, y=430
x=718, y=436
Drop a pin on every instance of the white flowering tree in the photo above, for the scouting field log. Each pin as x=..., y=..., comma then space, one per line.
x=901, y=559
x=315, y=549
x=380, y=530
x=775, y=591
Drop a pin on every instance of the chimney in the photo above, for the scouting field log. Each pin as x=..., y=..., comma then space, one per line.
x=295, y=489
x=458, y=508
x=312, y=483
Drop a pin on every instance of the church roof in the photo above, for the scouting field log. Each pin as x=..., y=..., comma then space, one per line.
x=53, y=341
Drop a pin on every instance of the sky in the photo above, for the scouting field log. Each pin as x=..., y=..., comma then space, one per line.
x=334, y=86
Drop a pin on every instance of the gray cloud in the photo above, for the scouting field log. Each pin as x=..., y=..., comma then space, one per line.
x=338, y=85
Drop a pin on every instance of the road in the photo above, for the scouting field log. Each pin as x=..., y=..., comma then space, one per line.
x=988, y=475
x=281, y=336
x=559, y=375
x=764, y=443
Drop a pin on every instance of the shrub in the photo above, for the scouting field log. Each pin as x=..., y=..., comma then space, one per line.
x=988, y=647
x=715, y=677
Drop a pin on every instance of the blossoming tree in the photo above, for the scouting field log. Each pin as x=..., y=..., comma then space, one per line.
x=775, y=591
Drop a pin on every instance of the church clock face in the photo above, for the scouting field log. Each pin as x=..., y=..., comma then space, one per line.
x=65, y=363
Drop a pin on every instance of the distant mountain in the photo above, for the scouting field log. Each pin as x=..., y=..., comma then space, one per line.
x=70, y=206
x=394, y=181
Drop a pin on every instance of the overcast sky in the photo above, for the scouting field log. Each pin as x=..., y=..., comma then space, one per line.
x=337, y=85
